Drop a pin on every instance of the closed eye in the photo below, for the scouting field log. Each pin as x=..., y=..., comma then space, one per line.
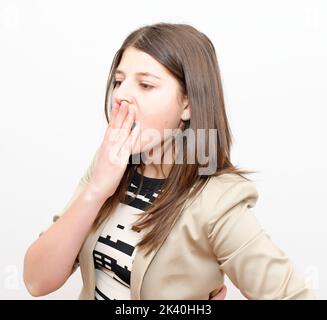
x=146, y=86
x=143, y=85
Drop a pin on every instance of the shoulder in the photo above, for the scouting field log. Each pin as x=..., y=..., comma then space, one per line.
x=224, y=192
x=230, y=187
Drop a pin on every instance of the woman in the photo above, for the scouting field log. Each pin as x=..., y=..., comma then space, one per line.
x=141, y=227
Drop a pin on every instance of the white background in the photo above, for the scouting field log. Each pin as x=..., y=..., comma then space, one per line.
x=55, y=58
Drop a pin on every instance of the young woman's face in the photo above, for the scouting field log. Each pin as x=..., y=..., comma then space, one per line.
x=154, y=96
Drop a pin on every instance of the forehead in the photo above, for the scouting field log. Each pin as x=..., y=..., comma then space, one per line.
x=136, y=61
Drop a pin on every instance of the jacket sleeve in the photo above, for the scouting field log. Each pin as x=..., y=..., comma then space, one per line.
x=78, y=189
x=246, y=253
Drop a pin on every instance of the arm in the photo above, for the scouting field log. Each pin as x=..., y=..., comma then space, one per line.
x=52, y=258
x=256, y=266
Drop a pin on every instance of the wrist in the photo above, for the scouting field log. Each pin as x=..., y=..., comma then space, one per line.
x=93, y=193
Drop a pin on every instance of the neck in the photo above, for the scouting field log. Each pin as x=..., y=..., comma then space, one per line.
x=155, y=171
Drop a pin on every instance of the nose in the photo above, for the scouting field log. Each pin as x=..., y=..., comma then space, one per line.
x=118, y=98
x=122, y=94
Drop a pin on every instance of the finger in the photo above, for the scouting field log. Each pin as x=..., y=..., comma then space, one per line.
x=120, y=135
x=107, y=133
x=223, y=291
x=127, y=125
x=120, y=117
x=221, y=294
x=131, y=140
x=113, y=113
x=135, y=134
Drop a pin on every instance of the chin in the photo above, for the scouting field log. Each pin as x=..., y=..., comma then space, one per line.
x=140, y=148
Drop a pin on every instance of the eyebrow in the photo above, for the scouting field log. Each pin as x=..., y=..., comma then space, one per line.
x=147, y=74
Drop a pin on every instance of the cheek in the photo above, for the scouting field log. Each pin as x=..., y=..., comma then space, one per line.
x=159, y=122
x=161, y=111
x=153, y=131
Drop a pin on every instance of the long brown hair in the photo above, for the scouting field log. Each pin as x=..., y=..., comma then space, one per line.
x=191, y=58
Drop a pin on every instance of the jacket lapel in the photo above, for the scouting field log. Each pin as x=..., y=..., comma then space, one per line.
x=139, y=265
x=142, y=262
x=86, y=260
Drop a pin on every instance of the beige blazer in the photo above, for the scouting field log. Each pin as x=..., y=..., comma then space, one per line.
x=216, y=235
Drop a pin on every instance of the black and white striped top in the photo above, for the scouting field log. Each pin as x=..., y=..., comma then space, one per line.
x=114, y=251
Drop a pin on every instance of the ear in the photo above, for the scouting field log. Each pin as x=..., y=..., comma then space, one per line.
x=186, y=114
